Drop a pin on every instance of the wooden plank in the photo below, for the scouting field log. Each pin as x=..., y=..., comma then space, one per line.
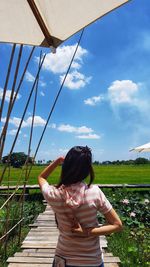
x=111, y=265
x=35, y=254
x=39, y=244
x=38, y=258
x=12, y=187
x=30, y=250
x=111, y=259
x=108, y=254
x=35, y=245
x=107, y=259
x=46, y=250
x=29, y=260
x=49, y=265
x=43, y=225
x=38, y=250
x=48, y=221
x=42, y=234
x=41, y=238
x=29, y=265
x=44, y=229
x=48, y=214
x=46, y=218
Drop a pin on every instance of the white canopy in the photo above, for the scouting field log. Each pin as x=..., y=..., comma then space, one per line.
x=143, y=148
x=49, y=22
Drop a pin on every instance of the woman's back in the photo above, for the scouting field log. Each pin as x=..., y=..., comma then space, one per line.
x=77, y=202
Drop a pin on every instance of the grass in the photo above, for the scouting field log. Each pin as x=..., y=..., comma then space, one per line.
x=9, y=217
x=110, y=174
x=133, y=250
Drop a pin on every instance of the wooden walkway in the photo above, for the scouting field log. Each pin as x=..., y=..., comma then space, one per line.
x=38, y=248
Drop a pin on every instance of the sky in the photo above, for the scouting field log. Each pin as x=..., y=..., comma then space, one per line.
x=104, y=103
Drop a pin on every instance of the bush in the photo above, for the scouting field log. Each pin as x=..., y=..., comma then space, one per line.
x=131, y=245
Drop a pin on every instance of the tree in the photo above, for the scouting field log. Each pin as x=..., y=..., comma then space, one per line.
x=17, y=159
x=141, y=161
x=96, y=162
x=49, y=161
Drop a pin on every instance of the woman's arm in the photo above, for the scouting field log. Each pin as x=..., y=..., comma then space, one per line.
x=48, y=170
x=114, y=225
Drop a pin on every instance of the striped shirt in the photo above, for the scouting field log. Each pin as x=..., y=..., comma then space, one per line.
x=81, y=202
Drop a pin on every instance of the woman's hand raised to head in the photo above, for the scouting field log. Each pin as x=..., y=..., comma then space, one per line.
x=60, y=160
x=48, y=170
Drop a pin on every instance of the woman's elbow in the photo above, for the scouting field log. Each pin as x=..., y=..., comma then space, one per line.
x=119, y=226
x=38, y=179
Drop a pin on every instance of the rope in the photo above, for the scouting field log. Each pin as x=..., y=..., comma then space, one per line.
x=27, y=63
x=7, y=79
x=2, y=237
x=15, y=96
x=9, y=198
x=10, y=101
x=22, y=197
x=16, y=136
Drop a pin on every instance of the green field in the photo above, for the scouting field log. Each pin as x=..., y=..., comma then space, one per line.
x=110, y=174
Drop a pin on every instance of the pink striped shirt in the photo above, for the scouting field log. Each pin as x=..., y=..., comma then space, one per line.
x=84, y=202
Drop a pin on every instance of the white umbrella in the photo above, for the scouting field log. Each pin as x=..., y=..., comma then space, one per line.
x=49, y=22
x=143, y=148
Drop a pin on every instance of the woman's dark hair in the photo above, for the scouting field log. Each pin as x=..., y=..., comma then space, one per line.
x=77, y=166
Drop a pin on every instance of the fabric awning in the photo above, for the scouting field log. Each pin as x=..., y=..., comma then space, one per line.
x=49, y=22
x=143, y=148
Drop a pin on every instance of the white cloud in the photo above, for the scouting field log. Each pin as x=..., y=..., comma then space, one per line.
x=14, y=121
x=89, y=136
x=38, y=121
x=93, y=100
x=75, y=80
x=29, y=77
x=13, y=132
x=126, y=92
x=123, y=92
x=82, y=132
x=8, y=94
x=72, y=129
x=63, y=151
x=52, y=125
x=146, y=41
x=53, y=153
x=141, y=42
x=59, y=62
x=42, y=84
x=42, y=93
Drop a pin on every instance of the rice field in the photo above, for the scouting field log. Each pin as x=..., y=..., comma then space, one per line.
x=110, y=174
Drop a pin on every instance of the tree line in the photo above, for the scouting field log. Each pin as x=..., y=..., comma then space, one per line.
x=18, y=159
x=137, y=161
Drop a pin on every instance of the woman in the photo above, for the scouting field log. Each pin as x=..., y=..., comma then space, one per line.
x=76, y=204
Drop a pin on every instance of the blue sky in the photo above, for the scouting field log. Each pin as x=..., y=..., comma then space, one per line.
x=105, y=101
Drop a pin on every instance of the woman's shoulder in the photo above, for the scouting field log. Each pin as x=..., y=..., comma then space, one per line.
x=50, y=189
x=93, y=187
